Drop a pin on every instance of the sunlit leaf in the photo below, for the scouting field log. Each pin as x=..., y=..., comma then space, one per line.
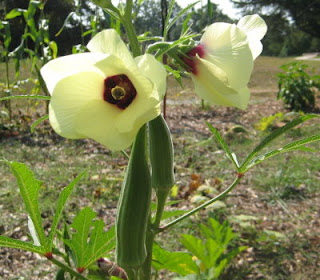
x=29, y=188
x=17, y=244
x=63, y=197
x=276, y=133
x=293, y=146
x=223, y=145
x=89, y=242
x=178, y=262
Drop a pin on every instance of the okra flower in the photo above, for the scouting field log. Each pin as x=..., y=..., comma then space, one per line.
x=105, y=94
x=221, y=65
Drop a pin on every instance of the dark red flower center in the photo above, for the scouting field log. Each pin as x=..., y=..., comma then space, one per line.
x=189, y=58
x=119, y=90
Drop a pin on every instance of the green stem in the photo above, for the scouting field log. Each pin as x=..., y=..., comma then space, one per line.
x=161, y=201
x=126, y=21
x=195, y=210
x=146, y=267
x=68, y=269
x=8, y=86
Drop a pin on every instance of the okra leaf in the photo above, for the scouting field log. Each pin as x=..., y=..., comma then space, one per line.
x=29, y=188
x=63, y=197
x=293, y=146
x=224, y=145
x=178, y=262
x=89, y=242
x=195, y=246
x=276, y=133
x=17, y=244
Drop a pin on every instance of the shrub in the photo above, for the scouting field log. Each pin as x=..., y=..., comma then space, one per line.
x=296, y=87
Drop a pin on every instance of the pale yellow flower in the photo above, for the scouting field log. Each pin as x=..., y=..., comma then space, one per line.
x=221, y=65
x=105, y=94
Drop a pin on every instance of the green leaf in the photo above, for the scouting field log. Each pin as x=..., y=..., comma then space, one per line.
x=90, y=242
x=25, y=97
x=15, y=13
x=293, y=146
x=29, y=188
x=63, y=197
x=177, y=17
x=66, y=21
x=273, y=136
x=224, y=145
x=194, y=245
x=60, y=275
x=170, y=214
x=178, y=262
x=17, y=244
x=7, y=35
x=37, y=122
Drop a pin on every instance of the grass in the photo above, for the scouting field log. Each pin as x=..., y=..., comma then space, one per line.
x=282, y=193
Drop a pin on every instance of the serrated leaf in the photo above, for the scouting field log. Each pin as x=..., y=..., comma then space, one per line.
x=17, y=244
x=90, y=241
x=178, y=262
x=194, y=246
x=63, y=197
x=276, y=133
x=224, y=145
x=29, y=188
x=293, y=146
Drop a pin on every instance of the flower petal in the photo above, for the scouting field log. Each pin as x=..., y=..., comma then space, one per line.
x=64, y=66
x=211, y=84
x=146, y=99
x=69, y=96
x=227, y=47
x=96, y=121
x=155, y=71
x=255, y=28
x=109, y=42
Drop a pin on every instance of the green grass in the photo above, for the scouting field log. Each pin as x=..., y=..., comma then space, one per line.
x=283, y=193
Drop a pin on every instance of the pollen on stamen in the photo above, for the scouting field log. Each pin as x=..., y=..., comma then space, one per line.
x=118, y=93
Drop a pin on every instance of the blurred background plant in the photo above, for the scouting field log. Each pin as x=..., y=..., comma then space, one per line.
x=296, y=87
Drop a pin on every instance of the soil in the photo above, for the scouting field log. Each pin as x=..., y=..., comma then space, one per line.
x=245, y=199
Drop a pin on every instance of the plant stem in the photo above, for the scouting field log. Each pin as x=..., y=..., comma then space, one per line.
x=146, y=267
x=126, y=21
x=193, y=211
x=161, y=201
x=68, y=269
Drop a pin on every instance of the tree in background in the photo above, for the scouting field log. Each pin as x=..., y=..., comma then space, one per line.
x=207, y=15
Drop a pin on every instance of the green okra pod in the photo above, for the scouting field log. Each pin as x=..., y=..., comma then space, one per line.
x=161, y=155
x=134, y=207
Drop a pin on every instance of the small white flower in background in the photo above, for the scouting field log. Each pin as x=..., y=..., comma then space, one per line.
x=221, y=65
x=105, y=94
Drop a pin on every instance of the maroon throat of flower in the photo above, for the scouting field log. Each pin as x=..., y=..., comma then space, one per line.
x=119, y=91
x=189, y=59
